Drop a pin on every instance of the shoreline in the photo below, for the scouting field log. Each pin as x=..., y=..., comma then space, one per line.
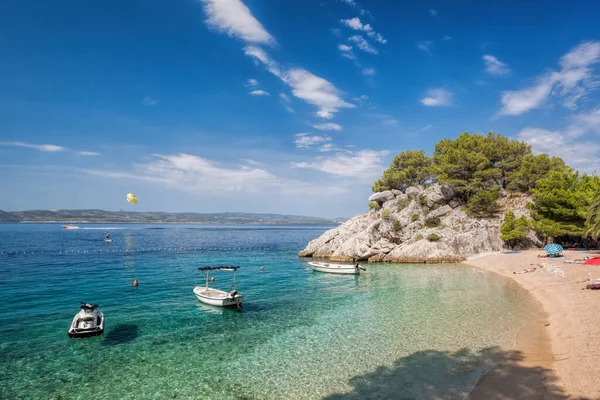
x=556, y=355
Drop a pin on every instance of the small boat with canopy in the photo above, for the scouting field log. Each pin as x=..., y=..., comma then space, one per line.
x=216, y=297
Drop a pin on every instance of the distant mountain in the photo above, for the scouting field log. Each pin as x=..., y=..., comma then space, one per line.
x=74, y=216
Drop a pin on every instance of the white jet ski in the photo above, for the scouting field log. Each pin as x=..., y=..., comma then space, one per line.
x=87, y=322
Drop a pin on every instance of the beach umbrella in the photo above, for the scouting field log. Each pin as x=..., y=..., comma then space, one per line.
x=593, y=261
x=553, y=248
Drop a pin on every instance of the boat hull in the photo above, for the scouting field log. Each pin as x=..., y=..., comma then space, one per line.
x=335, y=268
x=218, y=298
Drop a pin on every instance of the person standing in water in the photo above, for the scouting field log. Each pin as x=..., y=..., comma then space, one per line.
x=108, y=236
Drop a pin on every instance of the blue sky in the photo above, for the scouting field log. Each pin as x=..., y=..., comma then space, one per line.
x=277, y=106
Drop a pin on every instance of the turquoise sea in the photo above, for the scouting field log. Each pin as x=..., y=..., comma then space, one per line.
x=397, y=331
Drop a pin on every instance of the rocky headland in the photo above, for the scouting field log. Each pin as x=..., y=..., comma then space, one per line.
x=418, y=225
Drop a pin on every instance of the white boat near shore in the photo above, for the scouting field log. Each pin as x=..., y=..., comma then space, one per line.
x=345, y=269
x=217, y=297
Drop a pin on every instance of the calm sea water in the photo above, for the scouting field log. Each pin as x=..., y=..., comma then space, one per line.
x=397, y=331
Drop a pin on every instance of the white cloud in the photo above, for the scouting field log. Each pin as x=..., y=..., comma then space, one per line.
x=362, y=44
x=580, y=155
x=520, y=101
x=252, y=83
x=349, y=2
x=251, y=162
x=259, y=92
x=437, y=98
x=343, y=47
x=328, y=126
x=304, y=140
x=424, y=45
x=235, y=19
x=445, y=38
x=585, y=122
x=493, y=66
x=369, y=71
x=305, y=85
x=377, y=37
x=433, y=12
x=326, y=148
x=149, y=101
x=50, y=148
x=575, y=79
x=385, y=119
x=284, y=97
x=316, y=91
x=364, y=164
x=195, y=174
x=355, y=24
x=337, y=32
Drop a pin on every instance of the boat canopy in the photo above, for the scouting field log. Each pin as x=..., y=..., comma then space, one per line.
x=219, y=268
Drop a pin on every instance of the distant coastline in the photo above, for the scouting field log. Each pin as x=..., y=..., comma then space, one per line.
x=129, y=217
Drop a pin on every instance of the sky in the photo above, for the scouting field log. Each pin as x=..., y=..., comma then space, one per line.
x=292, y=107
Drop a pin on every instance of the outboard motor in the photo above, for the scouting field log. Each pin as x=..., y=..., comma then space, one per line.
x=233, y=293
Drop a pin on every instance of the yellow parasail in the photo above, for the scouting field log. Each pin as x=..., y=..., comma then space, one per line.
x=131, y=198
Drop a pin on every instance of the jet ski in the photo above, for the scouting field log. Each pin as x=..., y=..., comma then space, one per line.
x=89, y=321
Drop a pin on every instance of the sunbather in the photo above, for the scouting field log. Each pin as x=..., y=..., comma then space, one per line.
x=525, y=271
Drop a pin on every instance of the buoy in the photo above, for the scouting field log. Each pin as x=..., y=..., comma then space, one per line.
x=212, y=279
x=135, y=282
x=181, y=249
x=262, y=268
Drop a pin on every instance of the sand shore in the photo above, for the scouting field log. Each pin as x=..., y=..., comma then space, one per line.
x=558, y=355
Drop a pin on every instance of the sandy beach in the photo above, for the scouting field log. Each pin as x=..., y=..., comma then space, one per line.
x=556, y=356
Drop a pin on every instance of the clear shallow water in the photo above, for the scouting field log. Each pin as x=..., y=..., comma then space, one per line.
x=398, y=331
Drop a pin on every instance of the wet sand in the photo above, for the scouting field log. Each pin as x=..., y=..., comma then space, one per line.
x=557, y=355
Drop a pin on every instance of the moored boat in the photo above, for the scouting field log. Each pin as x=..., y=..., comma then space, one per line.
x=89, y=321
x=345, y=269
x=217, y=297
x=70, y=227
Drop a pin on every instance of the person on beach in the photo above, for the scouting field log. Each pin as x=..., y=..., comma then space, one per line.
x=525, y=271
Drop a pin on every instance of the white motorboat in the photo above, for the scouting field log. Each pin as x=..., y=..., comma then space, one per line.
x=346, y=269
x=89, y=321
x=216, y=297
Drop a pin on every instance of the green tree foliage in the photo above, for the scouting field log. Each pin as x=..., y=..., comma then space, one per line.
x=484, y=203
x=396, y=226
x=476, y=162
x=386, y=214
x=532, y=169
x=479, y=166
x=432, y=222
x=593, y=218
x=373, y=205
x=408, y=168
x=513, y=230
x=432, y=237
x=414, y=217
x=562, y=200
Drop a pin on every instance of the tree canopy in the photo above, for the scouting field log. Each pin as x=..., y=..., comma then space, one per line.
x=408, y=168
x=593, y=218
x=479, y=166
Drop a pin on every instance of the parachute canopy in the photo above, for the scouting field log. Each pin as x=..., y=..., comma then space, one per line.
x=131, y=198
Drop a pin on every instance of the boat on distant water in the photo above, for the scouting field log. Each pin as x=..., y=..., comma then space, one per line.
x=70, y=227
x=345, y=269
x=89, y=321
x=216, y=297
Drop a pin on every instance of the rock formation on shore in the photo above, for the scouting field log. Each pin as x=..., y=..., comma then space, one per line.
x=416, y=225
